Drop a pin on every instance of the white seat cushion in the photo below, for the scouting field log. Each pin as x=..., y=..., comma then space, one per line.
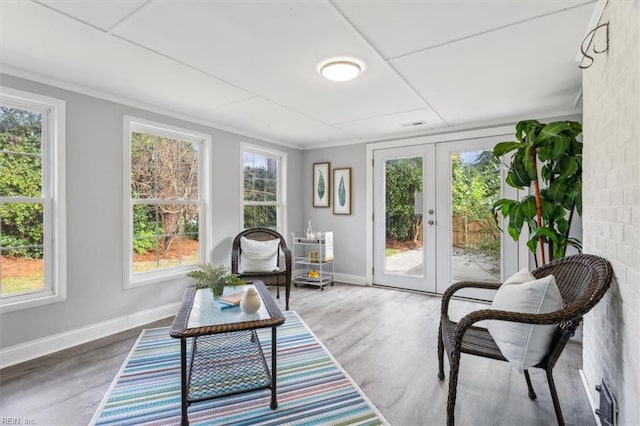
x=258, y=256
x=524, y=345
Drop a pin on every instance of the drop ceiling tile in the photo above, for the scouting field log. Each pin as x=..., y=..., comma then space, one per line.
x=273, y=49
x=517, y=71
x=278, y=124
x=77, y=53
x=397, y=28
x=394, y=125
x=102, y=14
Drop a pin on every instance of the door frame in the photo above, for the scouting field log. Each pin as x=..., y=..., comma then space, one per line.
x=427, y=281
x=503, y=132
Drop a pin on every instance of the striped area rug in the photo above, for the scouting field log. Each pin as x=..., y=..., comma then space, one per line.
x=312, y=387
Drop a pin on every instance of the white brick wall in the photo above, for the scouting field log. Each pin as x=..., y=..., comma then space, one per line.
x=611, y=216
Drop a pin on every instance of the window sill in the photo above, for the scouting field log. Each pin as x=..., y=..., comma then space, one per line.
x=31, y=301
x=149, y=278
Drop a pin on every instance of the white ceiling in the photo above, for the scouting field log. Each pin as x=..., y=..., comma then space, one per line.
x=252, y=66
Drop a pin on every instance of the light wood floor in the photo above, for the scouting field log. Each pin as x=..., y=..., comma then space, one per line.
x=385, y=339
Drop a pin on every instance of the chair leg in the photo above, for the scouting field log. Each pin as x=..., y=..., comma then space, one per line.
x=532, y=393
x=277, y=292
x=440, y=355
x=286, y=296
x=554, y=397
x=454, y=361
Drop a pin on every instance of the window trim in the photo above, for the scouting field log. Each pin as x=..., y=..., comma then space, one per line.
x=53, y=198
x=281, y=156
x=130, y=124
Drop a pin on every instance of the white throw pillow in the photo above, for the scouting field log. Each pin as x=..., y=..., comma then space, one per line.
x=258, y=256
x=524, y=345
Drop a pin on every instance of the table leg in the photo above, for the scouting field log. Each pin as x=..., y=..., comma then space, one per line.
x=274, y=371
x=183, y=378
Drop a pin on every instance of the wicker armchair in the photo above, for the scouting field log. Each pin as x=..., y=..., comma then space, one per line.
x=279, y=278
x=582, y=280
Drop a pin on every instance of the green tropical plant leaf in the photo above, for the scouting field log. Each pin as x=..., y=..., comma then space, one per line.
x=517, y=176
x=552, y=130
x=566, y=167
x=545, y=232
x=524, y=127
x=563, y=226
x=321, y=185
x=557, y=192
x=342, y=193
x=503, y=147
x=559, y=145
x=529, y=163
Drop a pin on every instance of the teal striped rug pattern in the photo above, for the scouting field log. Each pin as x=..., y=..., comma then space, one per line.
x=312, y=387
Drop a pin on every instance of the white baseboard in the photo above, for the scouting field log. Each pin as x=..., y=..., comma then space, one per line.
x=592, y=403
x=350, y=279
x=47, y=345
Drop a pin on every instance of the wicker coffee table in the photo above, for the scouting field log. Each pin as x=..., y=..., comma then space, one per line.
x=225, y=357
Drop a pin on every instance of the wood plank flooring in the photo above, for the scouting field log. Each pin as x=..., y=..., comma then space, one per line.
x=385, y=339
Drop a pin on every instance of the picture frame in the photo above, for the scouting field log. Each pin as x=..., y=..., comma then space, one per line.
x=321, y=184
x=342, y=190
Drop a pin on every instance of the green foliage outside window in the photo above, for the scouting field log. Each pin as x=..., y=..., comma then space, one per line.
x=21, y=163
x=403, y=182
x=475, y=186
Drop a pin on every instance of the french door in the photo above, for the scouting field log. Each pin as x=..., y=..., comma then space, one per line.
x=432, y=221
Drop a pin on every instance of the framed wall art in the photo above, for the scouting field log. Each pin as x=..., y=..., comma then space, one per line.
x=321, y=185
x=342, y=190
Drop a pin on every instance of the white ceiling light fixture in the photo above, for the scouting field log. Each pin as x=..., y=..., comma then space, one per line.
x=340, y=69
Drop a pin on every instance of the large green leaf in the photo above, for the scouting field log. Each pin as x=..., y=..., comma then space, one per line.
x=517, y=176
x=559, y=145
x=520, y=213
x=552, y=130
x=504, y=205
x=503, y=147
x=545, y=232
x=524, y=127
x=557, y=192
x=566, y=167
x=529, y=162
x=563, y=226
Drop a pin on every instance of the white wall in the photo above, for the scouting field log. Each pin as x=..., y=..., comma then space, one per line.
x=349, y=230
x=611, y=216
x=95, y=293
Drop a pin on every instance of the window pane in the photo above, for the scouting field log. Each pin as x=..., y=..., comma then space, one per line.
x=21, y=248
x=265, y=216
x=475, y=186
x=165, y=236
x=187, y=170
x=260, y=178
x=163, y=168
x=142, y=166
x=20, y=152
x=403, y=216
x=21, y=131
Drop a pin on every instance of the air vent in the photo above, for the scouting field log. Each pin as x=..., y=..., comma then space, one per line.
x=414, y=124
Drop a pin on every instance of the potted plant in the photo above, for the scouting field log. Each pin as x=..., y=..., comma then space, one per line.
x=216, y=277
x=547, y=157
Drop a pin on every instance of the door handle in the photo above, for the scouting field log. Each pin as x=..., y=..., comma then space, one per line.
x=430, y=222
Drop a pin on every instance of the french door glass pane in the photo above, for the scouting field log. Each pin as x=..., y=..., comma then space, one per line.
x=475, y=185
x=403, y=216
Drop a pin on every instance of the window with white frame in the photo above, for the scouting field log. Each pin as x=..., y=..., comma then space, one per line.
x=263, y=194
x=166, y=198
x=32, y=201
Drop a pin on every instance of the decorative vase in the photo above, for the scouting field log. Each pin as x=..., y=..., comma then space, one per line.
x=250, y=302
